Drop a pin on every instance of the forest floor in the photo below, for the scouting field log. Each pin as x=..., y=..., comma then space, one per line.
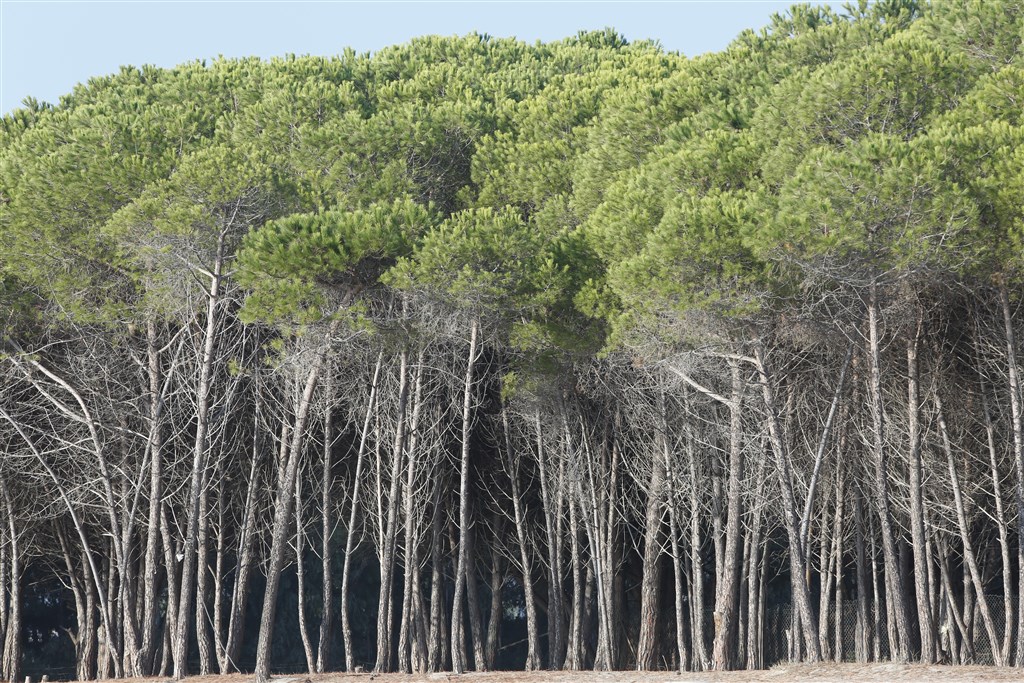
x=783, y=673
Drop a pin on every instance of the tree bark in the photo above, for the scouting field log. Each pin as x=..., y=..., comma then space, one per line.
x=462, y=567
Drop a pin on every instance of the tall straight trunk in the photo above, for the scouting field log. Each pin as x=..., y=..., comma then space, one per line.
x=494, y=614
x=921, y=588
x=283, y=516
x=219, y=584
x=727, y=590
x=532, y=632
x=389, y=530
x=473, y=604
x=700, y=655
x=462, y=568
x=574, y=648
x=435, y=656
x=797, y=557
x=346, y=626
x=552, y=521
x=650, y=582
x=13, y=640
x=598, y=489
x=831, y=578
x=323, y=650
x=970, y=559
x=900, y=649
x=151, y=566
x=863, y=634
x=203, y=583
x=754, y=582
x=244, y=554
x=199, y=459
x=679, y=584
x=300, y=578
x=406, y=639
x=1013, y=377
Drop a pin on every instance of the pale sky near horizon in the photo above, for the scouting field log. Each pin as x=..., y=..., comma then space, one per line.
x=47, y=46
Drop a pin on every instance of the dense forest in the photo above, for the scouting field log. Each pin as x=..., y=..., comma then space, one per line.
x=474, y=354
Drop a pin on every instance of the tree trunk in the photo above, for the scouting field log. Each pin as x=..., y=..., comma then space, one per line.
x=970, y=559
x=1018, y=456
x=244, y=563
x=389, y=530
x=900, y=649
x=283, y=517
x=797, y=557
x=323, y=650
x=532, y=633
x=300, y=578
x=346, y=626
x=921, y=588
x=199, y=458
x=650, y=583
x=462, y=568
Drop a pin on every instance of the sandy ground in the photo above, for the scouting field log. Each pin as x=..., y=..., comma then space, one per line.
x=799, y=673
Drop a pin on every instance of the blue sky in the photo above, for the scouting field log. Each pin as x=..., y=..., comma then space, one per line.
x=47, y=46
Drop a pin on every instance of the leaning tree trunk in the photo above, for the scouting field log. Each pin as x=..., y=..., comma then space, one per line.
x=797, y=557
x=283, y=518
x=970, y=559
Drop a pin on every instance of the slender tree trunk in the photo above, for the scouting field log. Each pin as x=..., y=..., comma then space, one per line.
x=199, y=458
x=574, y=650
x=650, y=583
x=863, y=634
x=245, y=561
x=323, y=650
x=283, y=517
x=700, y=655
x=921, y=589
x=462, y=568
x=406, y=640
x=970, y=559
x=494, y=614
x=151, y=565
x=385, y=611
x=682, y=651
x=203, y=582
x=552, y=515
x=435, y=657
x=900, y=649
x=1018, y=456
x=1002, y=527
x=13, y=639
x=797, y=557
x=300, y=578
x=532, y=632
x=346, y=626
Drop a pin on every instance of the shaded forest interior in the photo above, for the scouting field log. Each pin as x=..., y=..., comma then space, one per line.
x=474, y=354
